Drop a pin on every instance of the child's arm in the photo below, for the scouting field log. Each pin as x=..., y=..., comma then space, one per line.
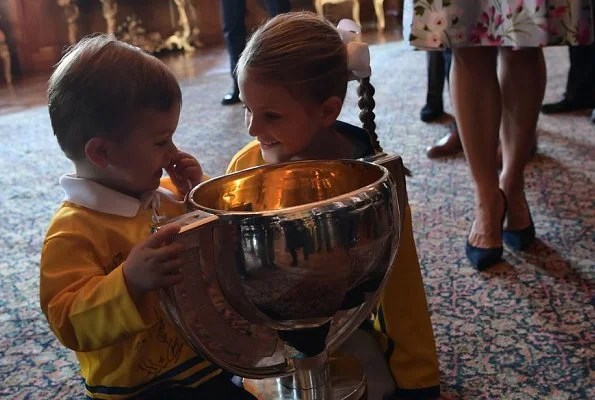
x=185, y=172
x=89, y=310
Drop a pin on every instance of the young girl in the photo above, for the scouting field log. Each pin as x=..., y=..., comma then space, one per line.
x=293, y=78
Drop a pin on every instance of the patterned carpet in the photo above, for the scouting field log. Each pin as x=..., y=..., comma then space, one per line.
x=522, y=330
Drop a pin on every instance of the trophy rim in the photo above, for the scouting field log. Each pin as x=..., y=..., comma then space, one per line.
x=293, y=209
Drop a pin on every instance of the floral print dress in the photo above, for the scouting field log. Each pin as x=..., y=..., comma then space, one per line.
x=436, y=24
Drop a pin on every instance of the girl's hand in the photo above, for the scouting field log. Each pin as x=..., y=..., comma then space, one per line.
x=185, y=172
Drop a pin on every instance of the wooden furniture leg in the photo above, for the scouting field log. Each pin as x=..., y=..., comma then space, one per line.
x=110, y=10
x=319, y=4
x=319, y=7
x=5, y=57
x=71, y=11
x=355, y=12
x=379, y=8
x=181, y=39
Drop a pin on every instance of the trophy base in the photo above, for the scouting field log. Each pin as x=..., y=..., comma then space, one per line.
x=347, y=382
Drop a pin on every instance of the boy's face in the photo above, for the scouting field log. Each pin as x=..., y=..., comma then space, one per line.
x=284, y=126
x=137, y=163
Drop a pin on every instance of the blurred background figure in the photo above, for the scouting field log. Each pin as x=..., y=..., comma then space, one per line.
x=234, y=30
x=438, y=72
x=580, y=86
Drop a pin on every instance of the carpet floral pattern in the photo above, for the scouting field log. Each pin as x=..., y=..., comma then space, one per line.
x=521, y=330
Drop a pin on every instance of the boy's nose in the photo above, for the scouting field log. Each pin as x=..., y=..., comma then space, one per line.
x=172, y=149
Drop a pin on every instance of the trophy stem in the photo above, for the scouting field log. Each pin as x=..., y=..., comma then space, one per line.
x=312, y=373
x=316, y=378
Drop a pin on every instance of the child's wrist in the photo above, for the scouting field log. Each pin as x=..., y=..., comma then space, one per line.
x=134, y=291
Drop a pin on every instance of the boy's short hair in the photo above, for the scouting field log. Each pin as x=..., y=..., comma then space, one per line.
x=99, y=86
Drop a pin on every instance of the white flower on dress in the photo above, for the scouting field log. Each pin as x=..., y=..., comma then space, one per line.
x=438, y=21
x=433, y=40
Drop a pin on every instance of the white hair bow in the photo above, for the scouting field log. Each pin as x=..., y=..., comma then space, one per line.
x=358, y=53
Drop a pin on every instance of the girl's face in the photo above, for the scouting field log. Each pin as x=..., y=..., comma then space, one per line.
x=285, y=126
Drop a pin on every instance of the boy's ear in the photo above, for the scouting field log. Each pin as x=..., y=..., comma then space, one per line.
x=97, y=150
x=330, y=110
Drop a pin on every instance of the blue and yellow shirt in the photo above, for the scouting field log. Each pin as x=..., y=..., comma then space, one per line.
x=123, y=351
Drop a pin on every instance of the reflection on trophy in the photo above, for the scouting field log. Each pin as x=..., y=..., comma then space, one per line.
x=283, y=263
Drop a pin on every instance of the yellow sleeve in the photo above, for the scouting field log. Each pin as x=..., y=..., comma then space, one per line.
x=86, y=309
x=167, y=183
x=403, y=321
x=247, y=157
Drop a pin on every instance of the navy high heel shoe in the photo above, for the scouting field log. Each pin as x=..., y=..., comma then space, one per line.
x=520, y=239
x=481, y=257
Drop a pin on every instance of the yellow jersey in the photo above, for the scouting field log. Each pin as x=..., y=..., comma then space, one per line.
x=123, y=351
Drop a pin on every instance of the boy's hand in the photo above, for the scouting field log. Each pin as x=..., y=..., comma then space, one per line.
x=185, y=172
x=153, y=263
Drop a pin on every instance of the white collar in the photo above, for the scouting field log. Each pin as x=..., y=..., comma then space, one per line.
x=97, y=197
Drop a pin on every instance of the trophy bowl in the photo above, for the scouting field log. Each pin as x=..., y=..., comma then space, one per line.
x=282, y=263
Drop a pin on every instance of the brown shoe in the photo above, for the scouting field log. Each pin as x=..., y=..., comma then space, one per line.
x=447, y=146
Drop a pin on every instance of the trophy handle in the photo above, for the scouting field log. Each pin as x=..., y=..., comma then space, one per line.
x=209, y=324
x=336, y=337
x=395, y=166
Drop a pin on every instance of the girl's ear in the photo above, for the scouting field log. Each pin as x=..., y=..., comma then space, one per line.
x=330, y=110
x=97, y=151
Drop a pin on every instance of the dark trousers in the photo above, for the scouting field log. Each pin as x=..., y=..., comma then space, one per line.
x=580, y=86
x=234, y=27
x=438, y=71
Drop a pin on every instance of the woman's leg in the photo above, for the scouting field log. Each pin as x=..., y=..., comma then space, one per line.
x=476, y=100
x=522, y=83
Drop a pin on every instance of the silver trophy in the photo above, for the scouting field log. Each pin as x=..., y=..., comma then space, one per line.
x=282, y=264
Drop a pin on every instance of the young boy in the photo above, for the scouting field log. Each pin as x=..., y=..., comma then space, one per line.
x=114, y=110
